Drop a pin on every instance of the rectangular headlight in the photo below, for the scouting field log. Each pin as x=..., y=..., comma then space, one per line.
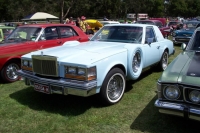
x=71, y=70
x=78, y=73
x=26, y=65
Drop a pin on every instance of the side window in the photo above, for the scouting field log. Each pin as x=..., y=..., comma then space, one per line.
x=150, y=34
x=49, y=33
x=66, y=32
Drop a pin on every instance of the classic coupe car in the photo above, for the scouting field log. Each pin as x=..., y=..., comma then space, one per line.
x=179, y=86
x=115, y=53
x=164, y=30
x=27, y=38
x=184, y=34
x=5, y=31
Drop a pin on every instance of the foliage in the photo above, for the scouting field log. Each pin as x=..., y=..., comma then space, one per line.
x=114, y=9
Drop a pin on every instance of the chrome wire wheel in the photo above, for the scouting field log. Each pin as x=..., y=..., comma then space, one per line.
x=115, y=87
x=136, y=62
x=164, y=61
x=11, y=70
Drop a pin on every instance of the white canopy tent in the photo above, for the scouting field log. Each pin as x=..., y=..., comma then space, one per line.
x=39, y=16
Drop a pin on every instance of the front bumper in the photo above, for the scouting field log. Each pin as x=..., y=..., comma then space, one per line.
x=61, y=85
x=178, y=40
x=178, y=109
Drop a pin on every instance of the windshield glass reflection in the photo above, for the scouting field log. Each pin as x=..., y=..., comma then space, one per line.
x=23, y=34
x=125, y=34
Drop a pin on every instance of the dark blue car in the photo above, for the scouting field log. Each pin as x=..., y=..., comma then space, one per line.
x=184, y=34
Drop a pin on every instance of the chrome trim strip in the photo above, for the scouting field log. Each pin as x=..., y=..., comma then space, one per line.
x=178, y=109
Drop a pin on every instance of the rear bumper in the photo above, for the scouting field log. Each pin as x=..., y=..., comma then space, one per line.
x=61, y=85
x=177, y=109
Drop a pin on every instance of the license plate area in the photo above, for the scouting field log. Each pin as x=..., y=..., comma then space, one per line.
x=41, y=88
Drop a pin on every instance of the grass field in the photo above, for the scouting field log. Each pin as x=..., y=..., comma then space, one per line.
x=22, y=110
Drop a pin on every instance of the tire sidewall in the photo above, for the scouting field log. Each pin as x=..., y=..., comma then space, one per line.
x=135, y=75
x=161, y=61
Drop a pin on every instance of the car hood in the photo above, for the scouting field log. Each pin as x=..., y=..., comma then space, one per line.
x=184, y=69
x=83, y=53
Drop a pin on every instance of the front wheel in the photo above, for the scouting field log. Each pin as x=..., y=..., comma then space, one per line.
x=8, y=73
x=164, y=61
x=113, y=87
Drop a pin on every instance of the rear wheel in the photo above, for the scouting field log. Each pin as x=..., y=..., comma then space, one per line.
x=164, y=61
x=8, y=73
x=113, y=87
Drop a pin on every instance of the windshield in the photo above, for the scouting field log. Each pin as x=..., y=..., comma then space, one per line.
x=145, y=22
x=125, y=34
x=195, y=43
x=23, y=34
x=191, y=25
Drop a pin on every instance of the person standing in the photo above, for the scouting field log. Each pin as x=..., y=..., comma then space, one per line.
x=83, y=24
x=78, y=21
x=71, y=21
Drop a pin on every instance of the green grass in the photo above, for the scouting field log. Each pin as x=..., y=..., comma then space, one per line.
x=22, y=110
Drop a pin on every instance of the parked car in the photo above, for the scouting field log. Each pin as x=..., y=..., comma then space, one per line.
x=115, y=53
x=179, y=86
x=28, y=38
x=164, y=30
x=5, y=31
x=173, y=25
x=184, y=34
x=109, y=22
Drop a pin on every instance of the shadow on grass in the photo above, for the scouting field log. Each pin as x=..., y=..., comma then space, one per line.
x=59, y=104
x=130, y=83
x=150, y=120
x=64, y=105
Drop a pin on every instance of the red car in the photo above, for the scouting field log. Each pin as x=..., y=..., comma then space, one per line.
x=28, y=38
x=164, y=30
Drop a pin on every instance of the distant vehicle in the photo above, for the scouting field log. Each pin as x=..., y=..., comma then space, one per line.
x=164, y=30
x=109, y=22
x=5, y=31
x=33, y=37
x=184, y=34
x=115, y=53
x=139, y=16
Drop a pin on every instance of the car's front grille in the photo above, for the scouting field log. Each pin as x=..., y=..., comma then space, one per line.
x=45, y=65
x=182, y=39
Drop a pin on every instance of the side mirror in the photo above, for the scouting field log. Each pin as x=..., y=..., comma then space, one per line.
x=183, y=46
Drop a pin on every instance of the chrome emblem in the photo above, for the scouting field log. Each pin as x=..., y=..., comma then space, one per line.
x=192, y=74
x=185, y=34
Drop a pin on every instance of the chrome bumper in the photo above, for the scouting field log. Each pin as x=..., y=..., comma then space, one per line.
x=61, y=85
x=178, y=109
x=178, y=40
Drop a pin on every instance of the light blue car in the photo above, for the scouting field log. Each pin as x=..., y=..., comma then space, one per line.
x=116, y=53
